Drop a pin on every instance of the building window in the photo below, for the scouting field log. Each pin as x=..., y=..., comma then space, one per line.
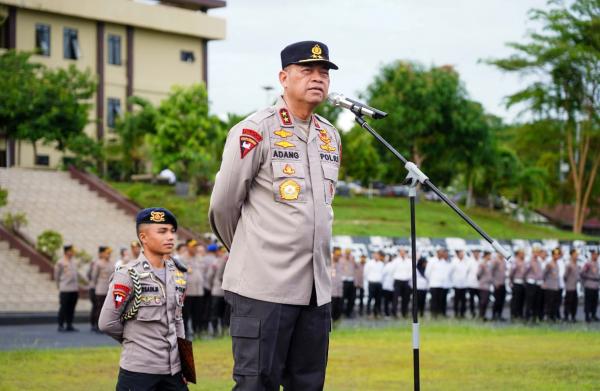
x=114, y=110
x=187, y=56
x=42, y=39
x=71, y=44
x=42, y=160
x=114, y=49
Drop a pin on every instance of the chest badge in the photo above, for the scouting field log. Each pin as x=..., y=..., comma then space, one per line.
x=289, y=170
x=289, y=190
x=285, y=144
x=282, y=133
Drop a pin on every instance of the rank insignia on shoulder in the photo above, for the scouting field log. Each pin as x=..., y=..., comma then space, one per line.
x=286, y=118
x=289, y=170
x=284, y=144
x=247, y=144
x=252, y=133
x=282, y=133
x=289, y=190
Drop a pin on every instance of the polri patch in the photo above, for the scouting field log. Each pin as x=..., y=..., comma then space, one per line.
x=120, y=293
x=247, y=144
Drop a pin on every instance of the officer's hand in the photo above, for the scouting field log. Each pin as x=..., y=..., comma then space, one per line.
x=184, y=380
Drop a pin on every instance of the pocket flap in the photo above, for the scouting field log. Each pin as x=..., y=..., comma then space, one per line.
x=287, y=170
x=245, y=327
x=330, y=172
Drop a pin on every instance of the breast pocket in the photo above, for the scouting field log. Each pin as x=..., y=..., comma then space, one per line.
x=330, y=177
x=289, y=183
x=151, y=308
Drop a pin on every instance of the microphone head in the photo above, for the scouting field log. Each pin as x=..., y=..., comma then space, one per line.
x=334, y=98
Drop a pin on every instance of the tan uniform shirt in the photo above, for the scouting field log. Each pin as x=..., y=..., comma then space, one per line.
x=590, y=275
x=337, y=284
x=216, y=276
x=208, y=261
x=484, y=276
x=101, y=274
x=571, y=276
x=499, y=272
x=150, y=339
x=359, y=275
x=348, y=265
x=66, y=275
x=517, y=272
x=271, y=206
x=195, y=275
x=533, y=272
x=551, y=277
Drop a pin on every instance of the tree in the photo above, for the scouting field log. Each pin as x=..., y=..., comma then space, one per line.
x=364, y=162
x=187, y=138
x=429, y=115
x=563, y=63
x=48, y=105
x=132, y=129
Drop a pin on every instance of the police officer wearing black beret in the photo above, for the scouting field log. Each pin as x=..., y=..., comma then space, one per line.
x=143, y=308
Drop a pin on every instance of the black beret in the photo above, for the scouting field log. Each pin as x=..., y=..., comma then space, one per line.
x=306, y=52
x=68, y=247
x=102, y=249
x=156, y=216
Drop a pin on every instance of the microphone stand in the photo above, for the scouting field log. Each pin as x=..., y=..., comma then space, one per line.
x=414, y=177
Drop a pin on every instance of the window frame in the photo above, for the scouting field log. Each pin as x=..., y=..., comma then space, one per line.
x=113, y=106
x=41, y=28
x=114, y=49
x=71, y=47
x=190, y=55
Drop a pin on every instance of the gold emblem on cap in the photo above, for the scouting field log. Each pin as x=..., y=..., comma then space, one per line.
x=284, y=144
x=289, y=190
x=317, y=51
x=157, y=217
x=282, y=133
x=288, y=170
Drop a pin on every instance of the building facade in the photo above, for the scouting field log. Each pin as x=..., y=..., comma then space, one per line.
x=134, y=47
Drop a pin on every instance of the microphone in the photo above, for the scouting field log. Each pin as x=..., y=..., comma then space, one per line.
x=357, y=108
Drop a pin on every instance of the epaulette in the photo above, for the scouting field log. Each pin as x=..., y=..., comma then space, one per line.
x=179, y=265
x=325, y=121
x=261, y=115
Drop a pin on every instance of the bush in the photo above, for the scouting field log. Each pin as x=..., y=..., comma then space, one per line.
x=14, y=221
x=49, y=242
x=3, y=197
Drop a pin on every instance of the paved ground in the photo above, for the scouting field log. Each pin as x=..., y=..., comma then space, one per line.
x=44, y=336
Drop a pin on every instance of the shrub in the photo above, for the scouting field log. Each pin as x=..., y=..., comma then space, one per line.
x=49, y=242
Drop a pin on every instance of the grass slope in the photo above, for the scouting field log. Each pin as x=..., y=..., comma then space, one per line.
x=362, y=216
x=454, y=356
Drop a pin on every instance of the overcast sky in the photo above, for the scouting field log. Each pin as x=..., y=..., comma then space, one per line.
x=362, y=36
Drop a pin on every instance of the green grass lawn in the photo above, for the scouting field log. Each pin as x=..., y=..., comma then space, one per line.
x=362, y=216
x=454, y=356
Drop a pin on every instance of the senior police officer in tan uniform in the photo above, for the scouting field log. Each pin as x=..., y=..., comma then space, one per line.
x=271, y=207
x=143, y=309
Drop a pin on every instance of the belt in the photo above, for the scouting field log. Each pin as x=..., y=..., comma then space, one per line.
x=533, y=281
x=518, y=281
x=348, y=279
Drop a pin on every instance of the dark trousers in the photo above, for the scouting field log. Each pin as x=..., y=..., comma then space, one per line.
x=438, y=301
x=499, y=298
x=473, y=293
x=388, y=297
x=533, y=302
x=337, y=307
x=460, y=302
x=375, y=292
x=484, y=299
x=97, y=308
x=559, y=300
x=401, y=291
x=360, y=295
x=205, y=310
x=135, y=381
x=590, y=303
x=517, y=301
x=551, y=303
x=66, y=311
x=349, y=298
x=571, y=305
x=421, y=296
x=278, y=344
x=219, y=314
x=93, y=319
x=192, y=311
